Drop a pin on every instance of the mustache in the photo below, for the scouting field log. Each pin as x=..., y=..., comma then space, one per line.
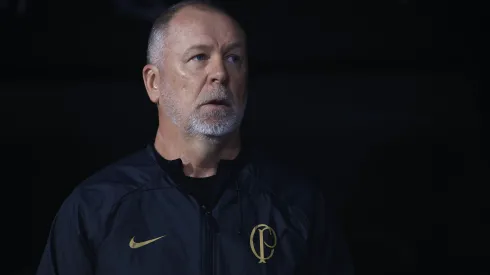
x=220, y=94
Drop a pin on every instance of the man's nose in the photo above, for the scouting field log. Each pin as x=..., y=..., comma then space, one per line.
x=218, y=72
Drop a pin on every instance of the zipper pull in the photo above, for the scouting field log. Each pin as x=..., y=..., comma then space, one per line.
x=211, y=220
x=205, y=210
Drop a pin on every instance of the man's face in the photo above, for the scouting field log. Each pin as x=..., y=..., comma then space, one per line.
x=204, y=73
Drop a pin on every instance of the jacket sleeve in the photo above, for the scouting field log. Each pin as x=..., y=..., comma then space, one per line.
x=67, y=251
x=328, y=251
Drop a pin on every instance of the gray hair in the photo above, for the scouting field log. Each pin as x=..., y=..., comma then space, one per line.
x=160, y=26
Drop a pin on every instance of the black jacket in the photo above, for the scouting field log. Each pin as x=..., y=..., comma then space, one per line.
x=133, y=217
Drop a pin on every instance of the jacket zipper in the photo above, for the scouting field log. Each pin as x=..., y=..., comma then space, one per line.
x=209, y=228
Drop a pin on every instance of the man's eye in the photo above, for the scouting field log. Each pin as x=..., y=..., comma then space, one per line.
x=233, y=58
x=199, y=57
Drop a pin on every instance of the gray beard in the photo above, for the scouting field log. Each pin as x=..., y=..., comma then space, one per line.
x=212, y=124
x=216, y=123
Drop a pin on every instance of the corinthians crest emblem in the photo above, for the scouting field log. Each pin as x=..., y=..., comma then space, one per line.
x=263, y=241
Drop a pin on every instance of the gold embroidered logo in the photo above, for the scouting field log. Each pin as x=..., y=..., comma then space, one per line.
x=135, y=245
x=262, y=243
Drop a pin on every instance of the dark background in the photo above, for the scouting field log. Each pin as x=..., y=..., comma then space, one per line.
x=379, y=101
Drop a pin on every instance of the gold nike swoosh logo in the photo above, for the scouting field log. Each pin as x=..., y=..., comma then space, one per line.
x=135, y=245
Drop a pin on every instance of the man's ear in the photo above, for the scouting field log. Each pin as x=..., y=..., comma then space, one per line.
x=151, y=77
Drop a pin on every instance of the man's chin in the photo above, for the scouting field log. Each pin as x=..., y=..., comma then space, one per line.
x=213, y=128
x=215, y=114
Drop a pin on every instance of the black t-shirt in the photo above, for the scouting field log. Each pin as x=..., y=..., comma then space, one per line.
x=206, y=191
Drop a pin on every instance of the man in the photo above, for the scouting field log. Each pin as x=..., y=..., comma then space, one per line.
x=196, y=201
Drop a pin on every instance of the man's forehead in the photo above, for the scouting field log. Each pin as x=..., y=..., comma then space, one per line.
x=197, y=24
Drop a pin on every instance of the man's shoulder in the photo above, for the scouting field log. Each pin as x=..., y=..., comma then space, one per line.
x=125, y=175
x=289, y=185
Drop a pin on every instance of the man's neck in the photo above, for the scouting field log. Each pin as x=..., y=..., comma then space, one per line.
x=200, y=156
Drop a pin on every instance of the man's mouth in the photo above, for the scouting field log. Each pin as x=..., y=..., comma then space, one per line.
x=218, y=102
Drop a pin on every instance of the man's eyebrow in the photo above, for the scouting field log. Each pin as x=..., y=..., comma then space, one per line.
x=196, y=47
x=204, y=47
x=234, y=45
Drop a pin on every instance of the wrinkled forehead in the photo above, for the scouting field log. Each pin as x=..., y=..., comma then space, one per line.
x=202, y=26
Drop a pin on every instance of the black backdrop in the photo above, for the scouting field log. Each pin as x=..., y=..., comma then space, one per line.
x=379, y=101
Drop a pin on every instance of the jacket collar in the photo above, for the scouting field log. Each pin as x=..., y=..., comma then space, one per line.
x=174, y=169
